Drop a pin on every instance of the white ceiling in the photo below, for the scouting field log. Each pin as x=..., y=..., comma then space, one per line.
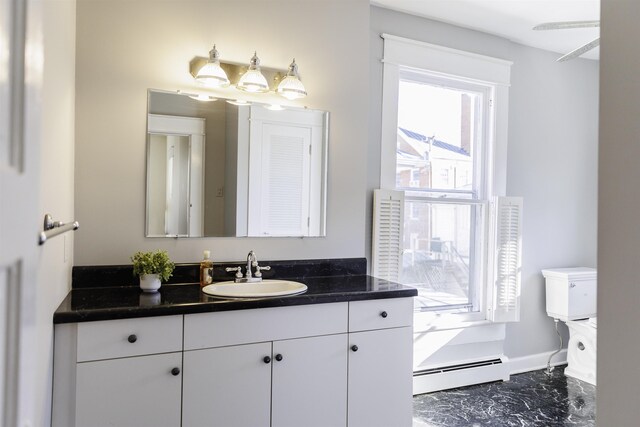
x=512, y=19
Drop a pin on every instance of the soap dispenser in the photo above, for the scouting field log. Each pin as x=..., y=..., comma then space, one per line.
x=206, y=270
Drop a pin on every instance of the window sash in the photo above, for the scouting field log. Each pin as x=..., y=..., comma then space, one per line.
x=483, y=121
x=478, y=246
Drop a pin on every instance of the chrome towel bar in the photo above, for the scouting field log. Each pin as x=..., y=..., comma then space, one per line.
x=53, y=228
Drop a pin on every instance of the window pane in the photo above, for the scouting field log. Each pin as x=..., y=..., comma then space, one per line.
x=440, y=240
x=437, y=130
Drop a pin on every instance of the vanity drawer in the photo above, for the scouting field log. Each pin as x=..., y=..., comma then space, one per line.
x=110, y=339
x=380, y=314
x=208, y=330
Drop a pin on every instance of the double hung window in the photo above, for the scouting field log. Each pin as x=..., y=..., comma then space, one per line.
x=443, y=161
x=440, y=166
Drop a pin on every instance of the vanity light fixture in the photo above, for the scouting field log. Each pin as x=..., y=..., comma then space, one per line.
x=247, y=78
x=212, y=74
x=291, y=86
x=253, y=80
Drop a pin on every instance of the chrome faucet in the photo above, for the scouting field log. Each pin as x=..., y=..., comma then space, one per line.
x=252, y=262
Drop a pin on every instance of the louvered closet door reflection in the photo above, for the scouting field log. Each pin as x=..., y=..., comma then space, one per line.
x=284, y=198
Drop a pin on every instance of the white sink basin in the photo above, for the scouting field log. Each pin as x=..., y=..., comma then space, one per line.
x=266, y=288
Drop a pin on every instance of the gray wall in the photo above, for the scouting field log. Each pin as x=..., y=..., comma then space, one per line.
x=552, y=157
x=618, y=203
x=213, y=114
x=126, y=47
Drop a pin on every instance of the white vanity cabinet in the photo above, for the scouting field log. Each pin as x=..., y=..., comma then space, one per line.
x=380, y=363
x=118, y=373
x=275, y=367
x=318, y=365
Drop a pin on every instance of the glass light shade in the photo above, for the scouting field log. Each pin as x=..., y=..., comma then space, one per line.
x=212, y=74
x=291, y=87
x=253, y=80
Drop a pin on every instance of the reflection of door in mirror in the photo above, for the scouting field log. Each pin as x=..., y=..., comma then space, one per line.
x=285, y=162
x=175, y=172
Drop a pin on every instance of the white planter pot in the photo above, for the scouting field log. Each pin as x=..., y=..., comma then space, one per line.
x=149, y=282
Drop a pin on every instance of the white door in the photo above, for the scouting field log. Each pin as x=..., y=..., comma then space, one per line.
x=227, y=386
x=380, y=378
x=20, y=89
x=309, y=385
x=142, y=391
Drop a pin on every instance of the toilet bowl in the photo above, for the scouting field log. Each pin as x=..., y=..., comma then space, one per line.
x=581, y=350
x=571, y=298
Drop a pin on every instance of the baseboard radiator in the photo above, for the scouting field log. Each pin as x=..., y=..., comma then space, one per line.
x=446, y=377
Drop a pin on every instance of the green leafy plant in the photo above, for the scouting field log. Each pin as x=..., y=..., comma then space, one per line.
x=157, y=262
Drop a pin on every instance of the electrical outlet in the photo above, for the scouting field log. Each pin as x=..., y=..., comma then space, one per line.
x=220, y=192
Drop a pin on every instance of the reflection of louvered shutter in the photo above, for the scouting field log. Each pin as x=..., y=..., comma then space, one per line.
x=388, y=216
x=506, y=259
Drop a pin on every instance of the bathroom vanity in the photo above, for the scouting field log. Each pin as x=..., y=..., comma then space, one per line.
x=338, y=355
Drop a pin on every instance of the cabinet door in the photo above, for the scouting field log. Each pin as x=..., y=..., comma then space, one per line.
x=309, y=386
x=380, y=378
x=129, y=392
x=227, y=386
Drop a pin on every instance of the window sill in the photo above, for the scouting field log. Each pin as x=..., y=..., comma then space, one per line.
x=431, y=322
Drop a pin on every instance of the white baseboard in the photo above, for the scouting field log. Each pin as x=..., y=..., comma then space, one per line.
x=534, y=362
x=460, y=378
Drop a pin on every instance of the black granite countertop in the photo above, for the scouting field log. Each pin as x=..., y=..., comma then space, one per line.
x=90, y=303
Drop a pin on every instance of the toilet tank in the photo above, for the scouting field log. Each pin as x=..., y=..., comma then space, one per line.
x=571, y=292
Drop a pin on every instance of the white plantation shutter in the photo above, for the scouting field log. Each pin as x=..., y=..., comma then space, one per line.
x=388, y=217
x=505, y=274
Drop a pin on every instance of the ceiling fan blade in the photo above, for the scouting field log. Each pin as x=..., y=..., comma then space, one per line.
x=579, y=51
x=566, y=25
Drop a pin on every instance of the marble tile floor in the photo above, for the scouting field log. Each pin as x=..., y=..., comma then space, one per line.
x=529, y=399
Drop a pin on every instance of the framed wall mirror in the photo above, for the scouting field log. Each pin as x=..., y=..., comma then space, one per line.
x=223, y=169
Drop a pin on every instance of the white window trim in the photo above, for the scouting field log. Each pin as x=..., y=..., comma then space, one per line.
x=401, y=52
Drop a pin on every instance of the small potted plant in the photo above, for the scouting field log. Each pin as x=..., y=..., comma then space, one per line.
x=152, y=268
